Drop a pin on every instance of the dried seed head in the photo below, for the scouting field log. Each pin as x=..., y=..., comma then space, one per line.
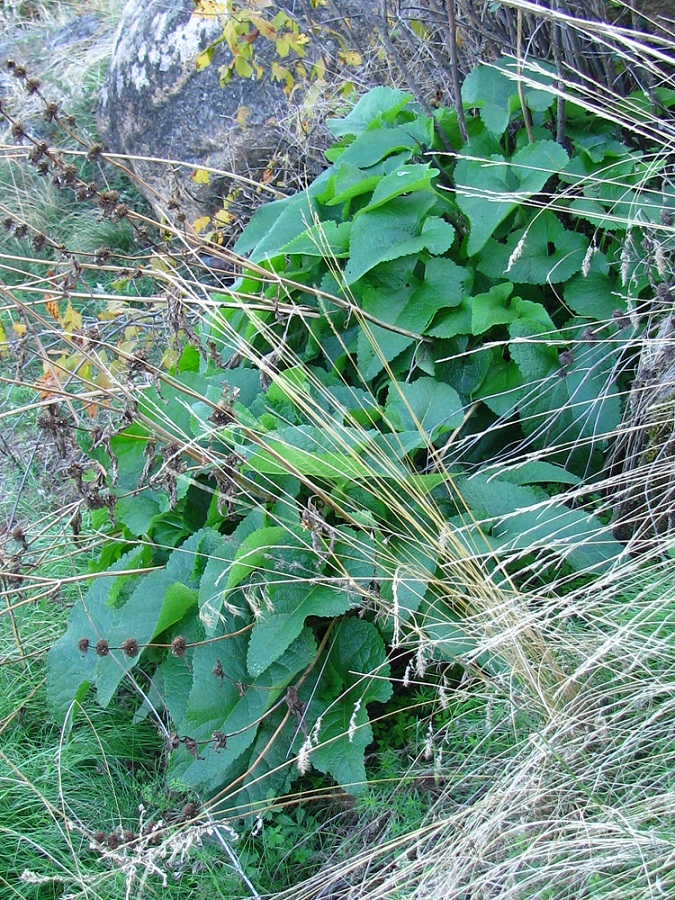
x=218, y=669
x=18, y=131
x=190, y=811
x=83, y=645
x=17, y=70
x=94, y=152
x=620, y=319
x=102, y=648
x=179, y=646
x=129, y=836
x=21, y=230
x=39, y=240
x=108, y=201
x=8, y=223
x=42, y=167
x=172, y=742
x=98, y=837
x=192, y=747
x=69, y=174
x=219, y=739
x=130, y=647
x=566, y=357
x=50, y=111
x=121, y=212
x=113, y=840
x=33, y=85
x=667, y=217
x=102, y=255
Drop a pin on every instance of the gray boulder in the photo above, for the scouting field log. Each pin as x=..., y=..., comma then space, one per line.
x=155, y=104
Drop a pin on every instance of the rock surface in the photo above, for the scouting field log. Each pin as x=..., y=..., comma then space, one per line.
x=156, y=104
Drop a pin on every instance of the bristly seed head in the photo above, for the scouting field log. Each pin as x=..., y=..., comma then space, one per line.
x=190, y=811
x=98, y=837
x=102, y=255
x=18, y=131
x=8, y=223
x=83, y=645
x=178, y=646
x=113, y=840
x=94, y=152
x=102, y=648
x=129, y=836
x=69, y=174
x=17, y=70
x=192, y=747
x=21, y=231
x=33, y=85
x=51, y=111
x=130, y=647
x=219, y=739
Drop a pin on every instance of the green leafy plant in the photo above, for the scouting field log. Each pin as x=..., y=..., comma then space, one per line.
x=358, y=455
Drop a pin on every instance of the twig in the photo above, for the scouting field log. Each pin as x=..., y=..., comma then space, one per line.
x=454, y=68
x=558, y=57
x=521, y=90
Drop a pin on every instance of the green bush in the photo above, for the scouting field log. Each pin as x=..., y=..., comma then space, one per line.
x=365, y=441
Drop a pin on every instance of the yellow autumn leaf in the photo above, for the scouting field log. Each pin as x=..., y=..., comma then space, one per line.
x=319, y=71
x=209, y=9
x=350, y=58
x=225, y=74
x=242, y=116
x=297, y=41
x=243, y=67
x=162, y=263
x=282, y=45
x=223, y=217
x=52, y=307
x=4, y=343
x=281, y=73
x=420, y=29
x=204, y=59
x=18, y=328
x=201, y=223
x=169, y=358
x=72, y=319
x=201, y=176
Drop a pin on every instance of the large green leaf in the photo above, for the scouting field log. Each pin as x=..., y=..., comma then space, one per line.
x=405, y=180
x=546, y=253
x=495, y=95
x=251, y=554
x=395, y=230
x=490, y=309
x=279, y=627
x=380, y=103
x=232, y=704
x=426, y=404
x=157, y=601
x=358, y=658
x=488, y=190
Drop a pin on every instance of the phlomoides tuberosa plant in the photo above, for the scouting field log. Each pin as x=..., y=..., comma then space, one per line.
x=385, y=449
